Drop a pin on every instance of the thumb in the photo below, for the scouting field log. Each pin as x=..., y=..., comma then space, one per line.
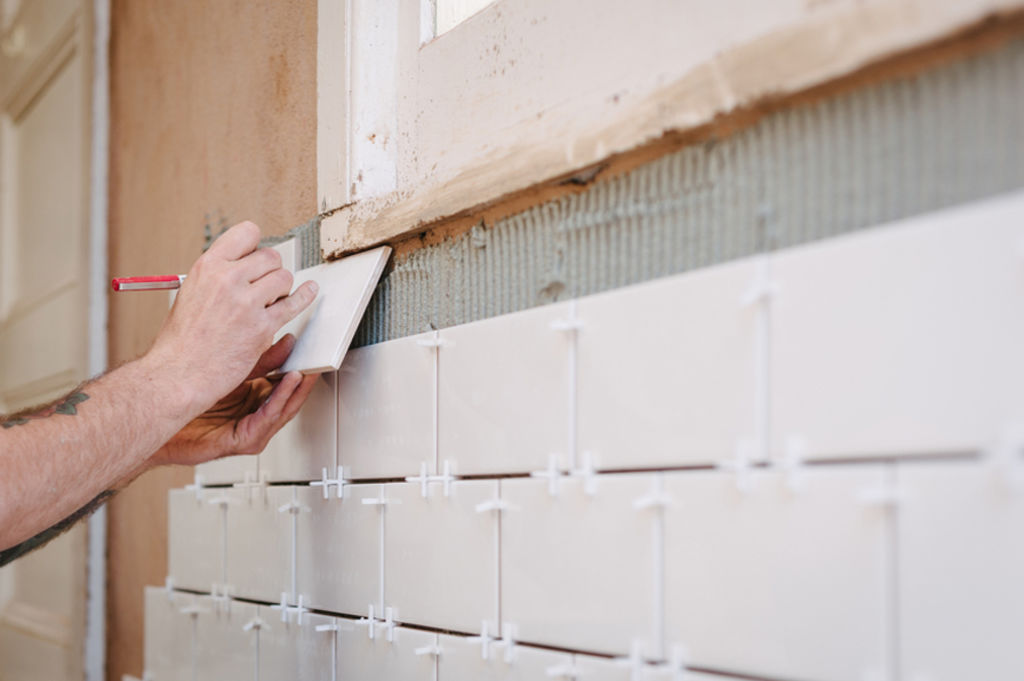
x=273, y=357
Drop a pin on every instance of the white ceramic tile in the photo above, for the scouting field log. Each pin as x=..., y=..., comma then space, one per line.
x=504, y=393
x=902, y=339
x=259, y=543
x=386, y=409
x=577, y=569
x=360, y=657
x=667, y=369
x=462, y=659
x=289, y=251
x=441, y=555
x=325, y=329
x=168, y=635
x=338, y=549
x=779, y=583
x=294, y=650
x=224, y=650
x=307, y=444
x=961, y=544
x=195, y=537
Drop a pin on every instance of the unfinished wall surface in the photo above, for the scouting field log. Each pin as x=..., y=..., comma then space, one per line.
x=213, y=120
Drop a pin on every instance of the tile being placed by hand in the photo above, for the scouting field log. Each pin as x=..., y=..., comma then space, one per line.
x=338, y=549
x=441, y=554
x=168, y=635
x=667, y=369
x=195, y=533
x=307, y=444
x=259, y=543
x=407, y=657
x=293, y=650
x=463, y=659
x=764, y=580
x=503, y=393
x=386, y=409
x=902, y=339
x=961, y=544
x=577, y=569
x=325, y=329
x=225, y=650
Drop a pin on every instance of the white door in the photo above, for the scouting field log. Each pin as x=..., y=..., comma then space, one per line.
x=44, y=155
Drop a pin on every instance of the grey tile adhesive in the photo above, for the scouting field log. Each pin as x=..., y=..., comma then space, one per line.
x=888, y=151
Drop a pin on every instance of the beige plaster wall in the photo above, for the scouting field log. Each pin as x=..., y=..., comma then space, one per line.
x=213, y=120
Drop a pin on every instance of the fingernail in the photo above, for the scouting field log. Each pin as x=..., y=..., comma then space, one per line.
x=314, y=287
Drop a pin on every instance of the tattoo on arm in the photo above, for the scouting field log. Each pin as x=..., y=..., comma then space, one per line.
x=7, y=555
x=67, y=405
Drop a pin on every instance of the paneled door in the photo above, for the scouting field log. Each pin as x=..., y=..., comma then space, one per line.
x=45, y=61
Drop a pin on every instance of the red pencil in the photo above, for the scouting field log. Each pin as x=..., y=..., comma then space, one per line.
x=161, y=283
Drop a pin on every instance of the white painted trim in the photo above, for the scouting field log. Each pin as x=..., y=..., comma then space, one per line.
x=333, y=80
x=96, y=593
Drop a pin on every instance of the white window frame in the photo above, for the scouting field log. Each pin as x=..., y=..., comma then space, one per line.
x=525, y=92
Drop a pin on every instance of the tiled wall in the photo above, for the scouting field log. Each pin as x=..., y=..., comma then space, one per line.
x=807, y=465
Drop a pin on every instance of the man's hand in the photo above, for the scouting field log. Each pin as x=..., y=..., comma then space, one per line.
x=245, y=419
x=234, y=300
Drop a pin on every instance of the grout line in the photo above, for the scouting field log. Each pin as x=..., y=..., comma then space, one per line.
x=844, y=460
x=497, y=551
x=223, y=545
x=437, y=401
x=659, y=570
x=892, y=525
x=380, y=556
x=295, y=548
x=195, y=649
x=573, y=383
x=465, y=634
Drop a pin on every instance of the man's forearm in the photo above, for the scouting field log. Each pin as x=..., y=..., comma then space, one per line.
x=56, y=461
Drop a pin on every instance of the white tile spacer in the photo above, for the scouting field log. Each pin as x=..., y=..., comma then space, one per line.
x=552, y=474
x=762, y=289
x=563, y=671
x=484, y=640
x=220, y=594
x=423, y=478
x=433, y=650
x=634, y=661
x=193, y=610
x=382, y=500
x=388, y=624
x=885, y=493
x=740, y=464
x=293, y=507
x=222, y=501
x=434, y=342
x=169, y=588
x=197, y=487
x=678, y=663
x=657, y=499
x=793, y=463
x=370, y=621
x=287, y=610
x=250, y=483
x=494, y=505
x=508, y=641
x=568, y=325
x=1006, y=456
x=588, y=473
x=334, y=626
x=325, y=482
x=446, y=478
x=255, y=623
